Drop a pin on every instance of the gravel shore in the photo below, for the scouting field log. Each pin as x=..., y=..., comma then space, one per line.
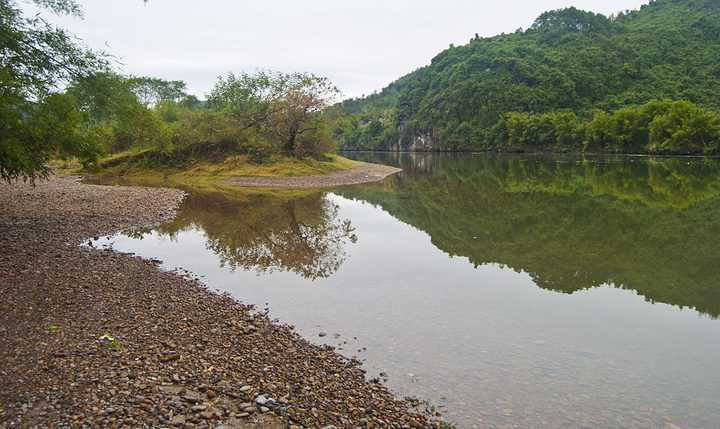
x=95, y=338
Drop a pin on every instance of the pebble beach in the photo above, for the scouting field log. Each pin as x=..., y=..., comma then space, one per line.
x=95, y=338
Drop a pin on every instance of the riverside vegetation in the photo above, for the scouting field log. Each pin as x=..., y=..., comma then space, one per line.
x=261, y=118
x=268, y=123
x=643, y=81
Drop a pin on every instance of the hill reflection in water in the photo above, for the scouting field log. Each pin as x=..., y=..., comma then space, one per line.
x=647, y=224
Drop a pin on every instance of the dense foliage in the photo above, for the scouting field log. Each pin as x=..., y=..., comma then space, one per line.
x=573, y=80
x=658, y=126
x=36, y=121
x=287, y=112
x=58, y=99
x=153, y=122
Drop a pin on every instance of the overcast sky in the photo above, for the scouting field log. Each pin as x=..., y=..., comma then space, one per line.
x=361, y=46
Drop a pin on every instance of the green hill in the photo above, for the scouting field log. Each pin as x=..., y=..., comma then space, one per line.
x=541, y=88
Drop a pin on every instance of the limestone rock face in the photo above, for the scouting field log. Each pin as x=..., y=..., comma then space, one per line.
x=420, y=142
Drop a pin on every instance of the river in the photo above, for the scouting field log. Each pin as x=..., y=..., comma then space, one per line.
x=504, y=290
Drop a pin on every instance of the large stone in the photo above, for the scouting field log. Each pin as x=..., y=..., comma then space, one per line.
x=178, y=421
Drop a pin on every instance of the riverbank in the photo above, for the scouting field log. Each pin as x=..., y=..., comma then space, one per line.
x=363, y=172
x=290, y=170
x=94, y=338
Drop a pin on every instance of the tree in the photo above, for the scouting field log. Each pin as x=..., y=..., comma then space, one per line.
x=572, y=20
x=299, y=116
x=37, y=123
x=247, y=97
x=152, y=90
x=289, y=110
x=190, y=102
x=102, y=96
x=115, y=117
x=685, y=127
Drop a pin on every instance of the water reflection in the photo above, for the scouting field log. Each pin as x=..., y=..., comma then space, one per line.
x=641, y=223
x=265, y=232
x=492, y=340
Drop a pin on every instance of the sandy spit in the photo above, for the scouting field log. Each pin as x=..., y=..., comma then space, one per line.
x=363, y=173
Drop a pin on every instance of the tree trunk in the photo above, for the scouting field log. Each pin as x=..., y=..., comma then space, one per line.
x=290, y=143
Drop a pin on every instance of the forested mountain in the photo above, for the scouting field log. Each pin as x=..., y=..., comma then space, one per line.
x=573, y=80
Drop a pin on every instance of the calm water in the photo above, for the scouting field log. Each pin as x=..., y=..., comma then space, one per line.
x=507, y=291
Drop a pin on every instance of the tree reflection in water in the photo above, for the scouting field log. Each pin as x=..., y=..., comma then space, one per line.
x=296, y=231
